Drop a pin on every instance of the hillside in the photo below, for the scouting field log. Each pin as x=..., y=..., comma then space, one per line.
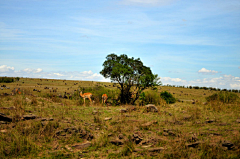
x=46, y=118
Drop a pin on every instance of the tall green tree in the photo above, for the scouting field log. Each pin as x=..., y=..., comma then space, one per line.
x=129, y=72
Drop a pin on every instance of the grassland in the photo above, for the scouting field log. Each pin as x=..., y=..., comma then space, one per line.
x=50, y=121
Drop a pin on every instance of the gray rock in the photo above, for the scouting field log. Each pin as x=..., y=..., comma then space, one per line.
x=5, y=118
x=120, y=136
x=228, y=144
x=29, y=117
x=151, y=108
x=116, y=142
x=123, y=110
x=82, y=146
x=209, y=121
x=108, y=119
x=238, y=120
x=195, y=144
x=156, y=149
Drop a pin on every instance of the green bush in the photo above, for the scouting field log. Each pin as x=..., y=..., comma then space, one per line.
x=6, y=79
x=167, y=97
x=223, y=96
x=151, y=97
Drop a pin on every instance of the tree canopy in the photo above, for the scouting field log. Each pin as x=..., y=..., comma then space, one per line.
x=129, y=72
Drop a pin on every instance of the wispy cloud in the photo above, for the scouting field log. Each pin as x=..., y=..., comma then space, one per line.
x=224, y=81
x=146, y=2
x=39, y=73
x=207, y=72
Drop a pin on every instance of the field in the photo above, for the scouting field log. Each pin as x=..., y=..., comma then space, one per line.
x=47, y=119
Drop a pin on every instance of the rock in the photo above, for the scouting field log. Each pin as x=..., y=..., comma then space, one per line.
x=45, y=119
x=72, y=130
x=195, y=144
x=187, y=117
x=108, y=119
x=3, y=131
x=3, y=122
x=137, y=138
x=228, y=144
x=177, y=122
x=5, y=118
x=29, y=117
x=95, y=112
x=171, y=133
x=9, y=108
x=116, y=142
x=123, y=110
x=68, y=148
x=165, y=134
x=209, y=121
x=44, y=123
x=156, y=149
x=120, y=136
x=151, y=108
x=82, y=146
x=223, y=124
x=59, y=132
x=238, y=120
x=148, y=124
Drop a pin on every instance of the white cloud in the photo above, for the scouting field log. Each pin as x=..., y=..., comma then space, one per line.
x=172, y=81
x=5, y=68
x=29, y=70
x=223, y=82
x=58, y=74
x=38, y=70
x=235, y=86
x=39, y=73
x=207, y=72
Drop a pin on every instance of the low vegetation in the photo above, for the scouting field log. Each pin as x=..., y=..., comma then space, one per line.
x=48, y=120
x=225, y=97
x=168, y=97
x=6, y=79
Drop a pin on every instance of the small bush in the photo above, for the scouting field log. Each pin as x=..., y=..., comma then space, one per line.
x=225, y=97
x=167, y=97
x=6, y=79
x=151, y=97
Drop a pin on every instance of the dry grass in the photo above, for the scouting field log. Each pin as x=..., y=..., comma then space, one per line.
x=63, y=123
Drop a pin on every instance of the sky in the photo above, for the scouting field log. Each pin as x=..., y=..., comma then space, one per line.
x=185, y=42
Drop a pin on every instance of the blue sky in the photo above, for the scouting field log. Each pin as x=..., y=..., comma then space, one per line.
x=184, y=42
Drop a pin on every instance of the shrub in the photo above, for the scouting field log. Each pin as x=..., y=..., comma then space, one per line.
x=167, y=97
x=6, y=79
x=150, y=97
x=225, y=97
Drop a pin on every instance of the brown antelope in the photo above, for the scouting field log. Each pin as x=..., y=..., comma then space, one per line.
x=104, y=98
x=86, y=95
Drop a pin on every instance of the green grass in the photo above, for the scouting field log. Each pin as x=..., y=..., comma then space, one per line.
x=173, y=127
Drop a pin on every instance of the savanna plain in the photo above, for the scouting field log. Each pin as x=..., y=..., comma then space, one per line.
x=46, y=118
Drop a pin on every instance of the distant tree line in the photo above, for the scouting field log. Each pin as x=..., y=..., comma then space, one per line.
x=8, y=79
x=206, y=88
